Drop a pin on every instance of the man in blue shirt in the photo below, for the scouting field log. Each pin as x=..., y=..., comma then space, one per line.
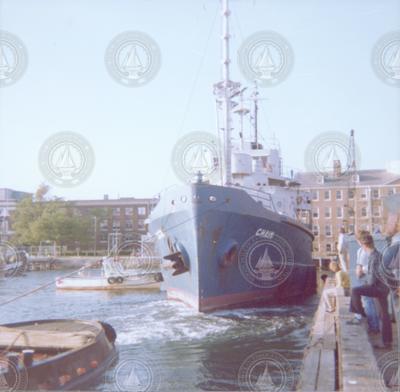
x=375, y=287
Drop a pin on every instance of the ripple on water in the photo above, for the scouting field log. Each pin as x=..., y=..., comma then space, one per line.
x=164, y=320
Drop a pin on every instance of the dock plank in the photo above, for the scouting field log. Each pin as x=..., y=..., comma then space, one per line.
x=358, y=368
x=319, y=370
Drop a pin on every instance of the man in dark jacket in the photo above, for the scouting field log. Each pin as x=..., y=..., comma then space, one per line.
x=391, y=255
x=375, y=288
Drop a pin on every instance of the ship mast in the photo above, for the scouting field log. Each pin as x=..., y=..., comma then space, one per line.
x=225, y=91
x=255, y=99
x=226, y=98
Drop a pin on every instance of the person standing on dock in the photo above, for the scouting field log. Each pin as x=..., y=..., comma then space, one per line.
x=375, y=288
x=343, y=251
x=362, y=278
x=391, y=257
x=342, y=281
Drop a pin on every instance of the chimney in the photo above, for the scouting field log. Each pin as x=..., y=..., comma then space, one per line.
x=337, y=168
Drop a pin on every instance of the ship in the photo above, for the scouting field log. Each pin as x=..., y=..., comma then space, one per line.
x=241, y=238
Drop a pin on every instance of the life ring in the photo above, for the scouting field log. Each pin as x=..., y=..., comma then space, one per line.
x=120, y=279
x=111, y=280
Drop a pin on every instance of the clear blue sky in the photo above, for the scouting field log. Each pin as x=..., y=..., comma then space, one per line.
x=132, y=130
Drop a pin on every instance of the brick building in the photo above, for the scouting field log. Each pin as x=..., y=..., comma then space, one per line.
x=116, y=219
x=352, y=201
x=113, y=220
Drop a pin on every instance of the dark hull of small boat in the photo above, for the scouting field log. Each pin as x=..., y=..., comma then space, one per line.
x=73, y=369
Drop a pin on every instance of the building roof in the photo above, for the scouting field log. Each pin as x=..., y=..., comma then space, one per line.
x=377, y=177
x=7, y=194
x=126, y=201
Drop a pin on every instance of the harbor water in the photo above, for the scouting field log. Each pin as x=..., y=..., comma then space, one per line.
x=179, y=349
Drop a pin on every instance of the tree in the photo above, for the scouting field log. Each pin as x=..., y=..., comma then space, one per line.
x=43, y=219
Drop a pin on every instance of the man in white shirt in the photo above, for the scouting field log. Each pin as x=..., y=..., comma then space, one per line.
x=362, y=279
x=343, y=250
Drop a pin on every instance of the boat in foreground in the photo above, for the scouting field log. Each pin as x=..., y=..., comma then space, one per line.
x=55, y=354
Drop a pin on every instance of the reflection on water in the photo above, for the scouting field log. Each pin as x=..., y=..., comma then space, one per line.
x=167, y=344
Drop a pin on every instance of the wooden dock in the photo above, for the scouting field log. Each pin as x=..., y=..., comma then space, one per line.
x=340, y=357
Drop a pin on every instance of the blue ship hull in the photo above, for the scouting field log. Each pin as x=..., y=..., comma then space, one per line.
x=228, y=250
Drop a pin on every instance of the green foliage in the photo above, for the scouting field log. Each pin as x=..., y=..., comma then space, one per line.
x=41, y=219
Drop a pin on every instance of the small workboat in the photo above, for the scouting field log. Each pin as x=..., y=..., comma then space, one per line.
x=55, y=354
x=146, y=281
x=113, y=277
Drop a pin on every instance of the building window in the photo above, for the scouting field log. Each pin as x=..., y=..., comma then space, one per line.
x=339, y=212
x=328, y=212
x=351, y=212
x=392, y=191
x=141, y=211
x=129, y=225
x=351, y=228
x=376, y=211
x=328, y=230
x=327, y=195
x=116, y=225
x=128, y=211
x=116, y=211
x=364, y=212
x=364, y=194
x=104, y=224
x=351, y=194
x=339, y=195
x=128, y=237
x=141, y=224
x=375, y=193
x=314, y=195
x=316, y=213
x=316, y=230
x=328, y=247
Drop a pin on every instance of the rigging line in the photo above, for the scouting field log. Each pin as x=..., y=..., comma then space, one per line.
x=50, y=283
x=200, y=66
x=191, y=93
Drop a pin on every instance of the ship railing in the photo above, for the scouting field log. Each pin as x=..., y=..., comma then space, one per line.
x=264, y=197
